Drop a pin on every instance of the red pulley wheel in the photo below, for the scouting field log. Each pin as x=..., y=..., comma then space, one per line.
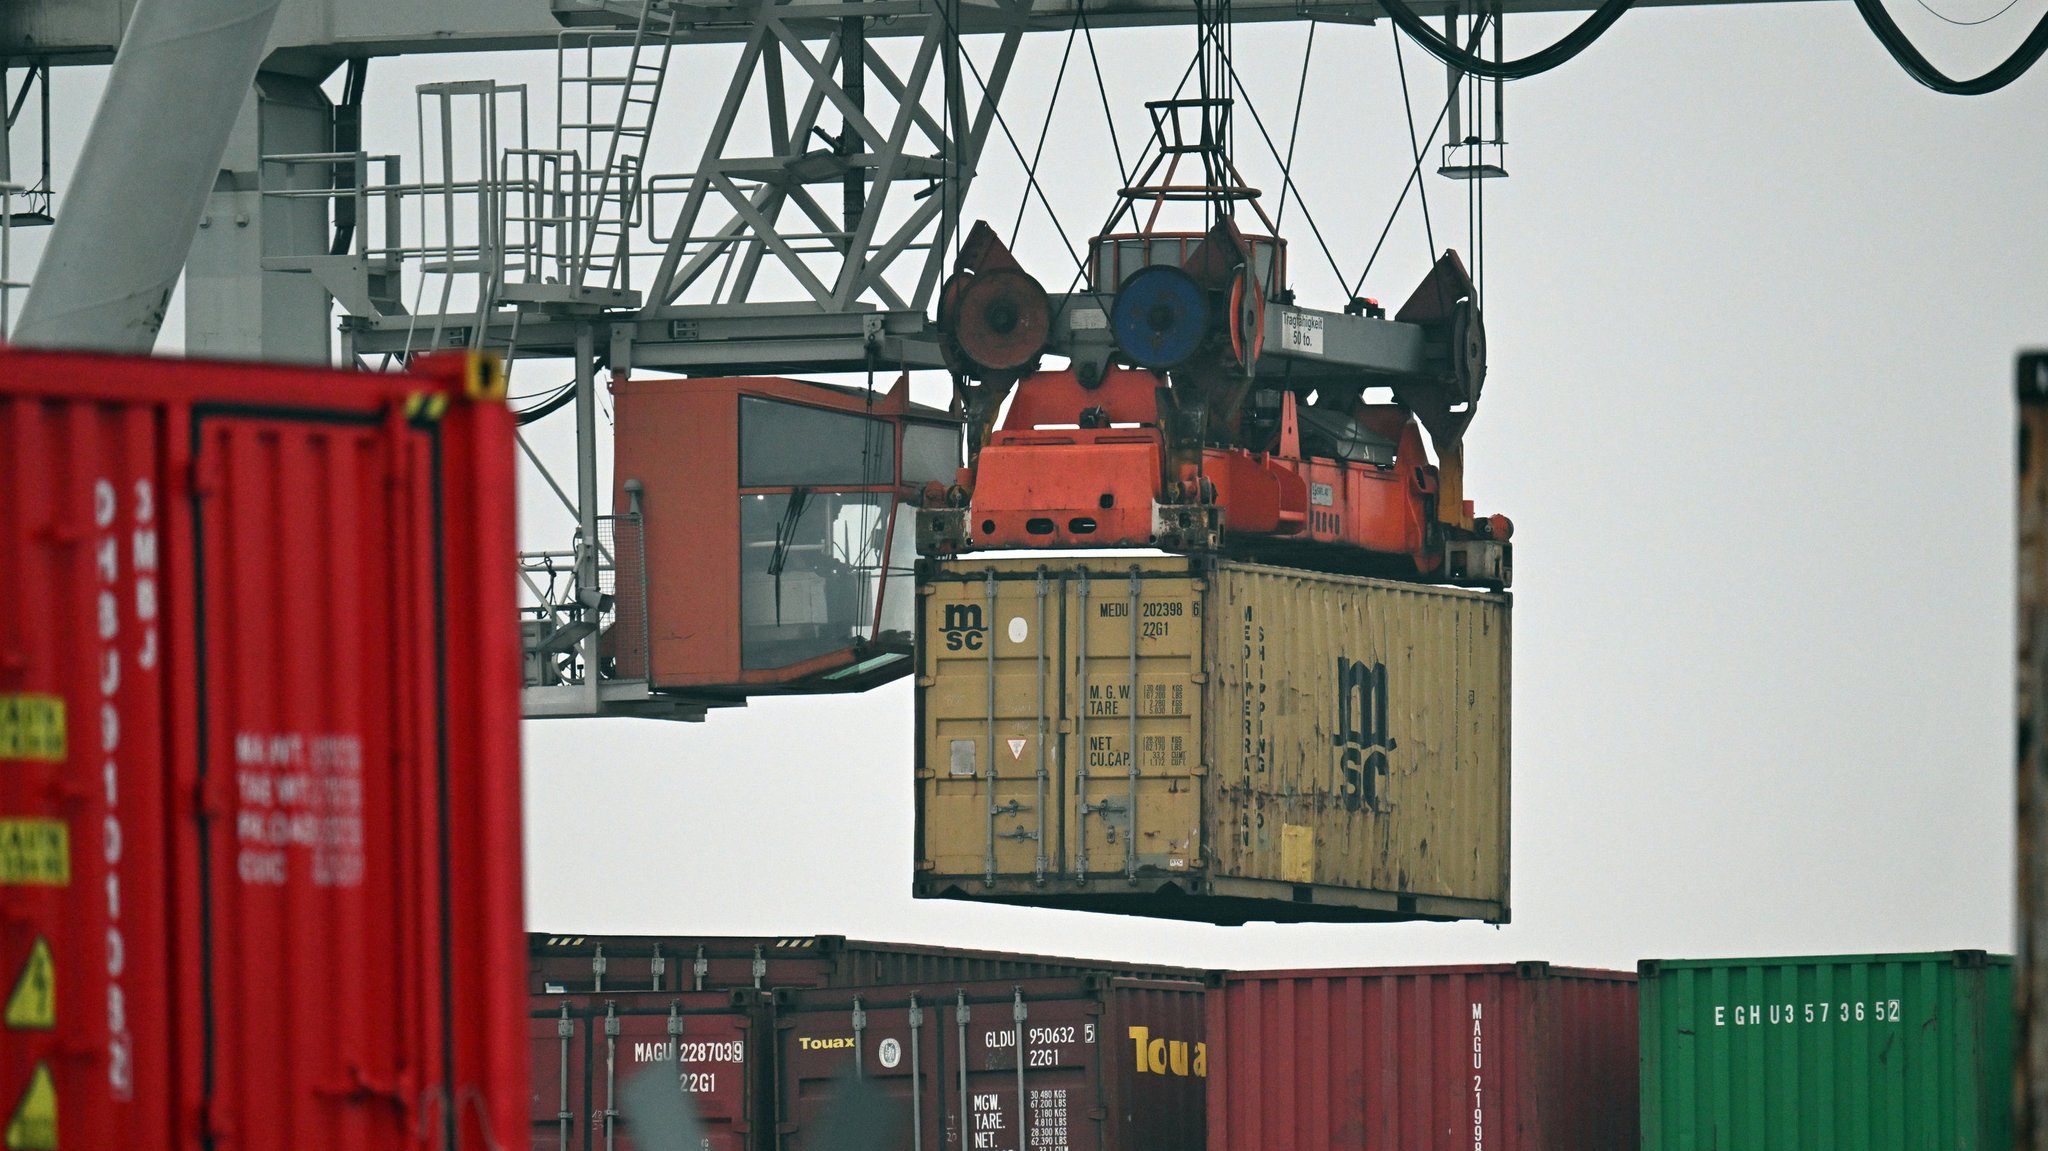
x=1003, y=319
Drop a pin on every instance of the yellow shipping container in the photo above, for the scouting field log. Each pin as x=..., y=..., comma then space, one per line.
x=1307, y=746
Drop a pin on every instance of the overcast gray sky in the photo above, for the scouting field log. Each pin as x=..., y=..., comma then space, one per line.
x=1752, y=298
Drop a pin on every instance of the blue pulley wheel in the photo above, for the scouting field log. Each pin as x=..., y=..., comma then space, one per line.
x=1160, y=316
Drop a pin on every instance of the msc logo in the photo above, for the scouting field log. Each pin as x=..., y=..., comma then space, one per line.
x=1169, y=1056
x=1361, y=735
x=963, y=629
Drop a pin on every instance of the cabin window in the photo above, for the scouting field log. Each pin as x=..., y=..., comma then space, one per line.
x=786, y=445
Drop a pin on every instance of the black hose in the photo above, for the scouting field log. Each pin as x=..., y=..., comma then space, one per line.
x=1918, y=67
x=547, y=408
x=1573, y=43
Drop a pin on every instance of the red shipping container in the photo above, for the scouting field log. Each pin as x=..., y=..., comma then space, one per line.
x=586, y=1049
x=1106, y=1064
x=1515, y=1057
x=572, y=964
x=259, y=818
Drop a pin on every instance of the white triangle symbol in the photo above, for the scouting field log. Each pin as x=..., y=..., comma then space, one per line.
x=1016, y=748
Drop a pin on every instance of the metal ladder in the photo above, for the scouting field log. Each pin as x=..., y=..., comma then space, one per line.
x=612, y=188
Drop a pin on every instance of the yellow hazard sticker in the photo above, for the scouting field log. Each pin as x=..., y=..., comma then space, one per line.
x=35, y=853
x=33, y=1005
x=32, y=727
x=34, y=1126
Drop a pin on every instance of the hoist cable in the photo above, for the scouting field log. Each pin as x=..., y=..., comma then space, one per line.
x=1919, y=68
x=1294, y=133
x=1413, y=174
x=1428, y=229
x=1286, y=180
x=1044, y=130
x=1109, y=117
x=1470, y=61
x=974, y=70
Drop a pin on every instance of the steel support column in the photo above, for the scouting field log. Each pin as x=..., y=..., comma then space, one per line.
x=2030, y=989
x=233, y=307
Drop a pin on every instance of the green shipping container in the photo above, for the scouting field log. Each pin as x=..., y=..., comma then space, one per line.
x=1828, y=1053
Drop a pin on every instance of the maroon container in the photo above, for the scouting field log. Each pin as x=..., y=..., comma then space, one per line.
x=1517, y=1057
x=593, y=964
x=1107, y=1064
x=587, y=1048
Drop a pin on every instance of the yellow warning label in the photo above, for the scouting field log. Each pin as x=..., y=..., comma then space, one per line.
x=35, y=852
x=33, y=1006
x=32, y=727
x=34, y=1126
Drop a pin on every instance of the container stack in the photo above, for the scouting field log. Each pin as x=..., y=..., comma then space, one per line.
x=988, y=1051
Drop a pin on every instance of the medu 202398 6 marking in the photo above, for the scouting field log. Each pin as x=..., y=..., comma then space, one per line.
x=1361, y=736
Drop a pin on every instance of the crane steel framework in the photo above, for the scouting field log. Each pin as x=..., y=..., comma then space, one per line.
x=554, y=269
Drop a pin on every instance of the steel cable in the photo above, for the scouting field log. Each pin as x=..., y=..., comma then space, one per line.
x=1286, y=179
x=1947, y=19
x=1059, y=81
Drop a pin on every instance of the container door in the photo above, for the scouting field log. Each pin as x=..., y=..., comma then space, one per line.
x=712, y=1049
x=894, y=1048
x=992, y=767
x=1133, y=696
x=85, y=546
x=313, y=566
x=1043, y=1093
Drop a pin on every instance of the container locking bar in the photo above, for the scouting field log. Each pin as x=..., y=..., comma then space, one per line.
x=1081, y=737
x=916, y=1079
x=1038, y=868
x=611, y=1078
x=1131, y=703
x=860, y=1026
x=961, y=1014
x=1019, y=1013
x=988, y=624
x=565, y=1029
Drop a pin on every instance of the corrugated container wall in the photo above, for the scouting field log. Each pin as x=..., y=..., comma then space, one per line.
x=259, y=819
x=627, y=963
x=1521, y=1057
x=1212, y=741
x=1866, y=1052
x=587, y=1048
x=1103, y=1065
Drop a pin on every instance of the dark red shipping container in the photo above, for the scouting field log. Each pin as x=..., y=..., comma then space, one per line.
x=586, y=1048
x=605, y=963
x=259, y=818
x=1106, y=1064
x=1516, y=1057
